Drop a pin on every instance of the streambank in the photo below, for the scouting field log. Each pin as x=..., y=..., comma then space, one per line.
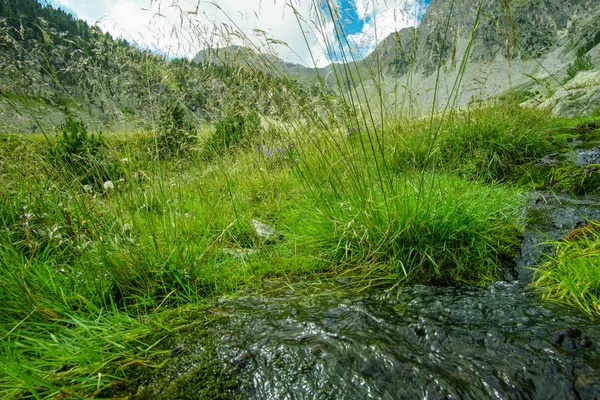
x=326, y=341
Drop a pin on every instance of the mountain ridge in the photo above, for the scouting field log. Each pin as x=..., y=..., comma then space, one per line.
x=462, y=52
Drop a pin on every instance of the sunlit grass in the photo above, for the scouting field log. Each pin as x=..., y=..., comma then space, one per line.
x=164, y=236
x=572, y=277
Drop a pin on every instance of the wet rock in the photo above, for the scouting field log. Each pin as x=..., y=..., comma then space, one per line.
x=318, y=349
x=570, y=339
x=587, y=157
x=580, y=96
x=551, y=216
x=242, y=358
x=549, y=160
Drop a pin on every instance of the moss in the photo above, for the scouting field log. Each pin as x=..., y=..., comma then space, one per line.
x=589, y=140
x=563, y=177
x=506, y=240
x=196, y=371
x=204, y=380
x=582, y=233
x=538, y=217
x=285, y=266
x=587, y=134
x=576, y=180
x=587, y=127
x=531, y=175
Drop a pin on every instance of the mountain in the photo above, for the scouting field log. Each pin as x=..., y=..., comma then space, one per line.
x=54, y=65
x=482, y=49
x=463, y=51
x=244, y=56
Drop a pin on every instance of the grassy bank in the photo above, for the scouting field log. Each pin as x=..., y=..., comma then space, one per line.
x=572, y=276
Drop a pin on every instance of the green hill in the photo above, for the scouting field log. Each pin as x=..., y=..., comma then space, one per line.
x=55, y=65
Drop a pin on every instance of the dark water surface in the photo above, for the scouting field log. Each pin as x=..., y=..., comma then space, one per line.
x=428, y=342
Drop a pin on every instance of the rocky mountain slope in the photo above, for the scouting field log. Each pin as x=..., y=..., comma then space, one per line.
x=483, y=49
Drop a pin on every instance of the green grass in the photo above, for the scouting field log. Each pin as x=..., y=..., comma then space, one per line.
x=88, y=275
x=483, y=143
x=572, y=277
x=443, y=229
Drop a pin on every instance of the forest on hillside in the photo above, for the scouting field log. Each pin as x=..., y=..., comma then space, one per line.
x=51, y=58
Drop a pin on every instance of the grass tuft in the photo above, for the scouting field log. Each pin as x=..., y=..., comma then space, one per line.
x=572, y=277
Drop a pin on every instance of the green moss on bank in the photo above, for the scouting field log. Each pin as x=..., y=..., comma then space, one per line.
x=187, y=361
x=564, y=177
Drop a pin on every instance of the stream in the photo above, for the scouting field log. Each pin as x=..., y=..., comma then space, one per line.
x=428, y=342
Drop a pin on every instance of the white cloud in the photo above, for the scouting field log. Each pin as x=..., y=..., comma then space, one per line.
x=183, y=27
x=380, y=19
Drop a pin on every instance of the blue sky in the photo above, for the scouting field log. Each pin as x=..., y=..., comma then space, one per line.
x=183, y=27
x=365, y=23
x=352, y=21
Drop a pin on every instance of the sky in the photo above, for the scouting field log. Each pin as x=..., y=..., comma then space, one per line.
x=299, y=31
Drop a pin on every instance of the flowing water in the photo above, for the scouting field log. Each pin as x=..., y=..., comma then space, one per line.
x=427, y=342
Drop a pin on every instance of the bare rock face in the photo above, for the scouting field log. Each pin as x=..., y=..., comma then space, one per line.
x=519, y=29
x=579, y=96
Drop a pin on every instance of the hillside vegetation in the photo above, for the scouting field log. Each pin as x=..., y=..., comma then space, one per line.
x=56, y=66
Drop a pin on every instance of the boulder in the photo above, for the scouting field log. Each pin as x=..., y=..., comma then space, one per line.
x=579, y=96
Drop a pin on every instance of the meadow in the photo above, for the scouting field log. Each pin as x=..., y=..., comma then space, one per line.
x=106, y=236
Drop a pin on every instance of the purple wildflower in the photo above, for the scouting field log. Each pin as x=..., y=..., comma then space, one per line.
x=353, y=130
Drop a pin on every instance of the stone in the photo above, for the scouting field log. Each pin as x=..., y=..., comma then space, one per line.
x=579, y=96
x=264, y=231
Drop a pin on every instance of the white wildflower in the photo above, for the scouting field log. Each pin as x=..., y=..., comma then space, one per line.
x=263, y=231
x=108, y=185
